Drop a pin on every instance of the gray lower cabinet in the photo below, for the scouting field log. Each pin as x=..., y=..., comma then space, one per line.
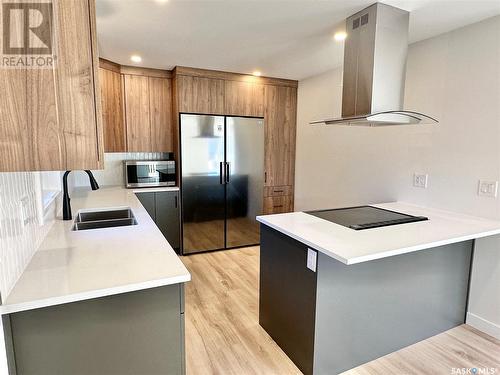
x=126, y=334
x=148, y=201
x=163, y=207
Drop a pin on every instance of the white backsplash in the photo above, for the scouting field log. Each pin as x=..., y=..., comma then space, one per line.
x=112, y=174
x=20, y=230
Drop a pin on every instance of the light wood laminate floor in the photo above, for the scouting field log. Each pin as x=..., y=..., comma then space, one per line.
x=462, y=347
x=223, y=335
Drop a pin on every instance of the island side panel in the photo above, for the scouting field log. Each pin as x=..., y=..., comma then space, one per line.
x=127, y=334
x=287, y=296
x=367, y=310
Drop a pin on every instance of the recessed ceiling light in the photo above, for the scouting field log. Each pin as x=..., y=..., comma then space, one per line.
x=162, y=1
x=340, y=36
x=136, y=58
x=257, y=73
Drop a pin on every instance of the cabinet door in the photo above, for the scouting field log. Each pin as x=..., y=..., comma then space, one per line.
x=244, y=98
x=160, y=107
x=140, y=332
x=287, y=297
x=137, y=113
x=280, y=128
x=148, y=201
x=168, y=216
x=200, y=95
x=50, y=117
x=112, y=111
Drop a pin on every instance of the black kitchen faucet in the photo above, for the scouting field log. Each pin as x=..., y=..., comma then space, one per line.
x=66, y=200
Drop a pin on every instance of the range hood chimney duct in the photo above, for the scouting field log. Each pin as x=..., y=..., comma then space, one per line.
x=375, y=55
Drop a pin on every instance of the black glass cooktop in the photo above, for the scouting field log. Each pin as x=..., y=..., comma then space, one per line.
x=365, y=217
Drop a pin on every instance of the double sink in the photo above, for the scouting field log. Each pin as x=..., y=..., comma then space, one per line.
x=86, y=220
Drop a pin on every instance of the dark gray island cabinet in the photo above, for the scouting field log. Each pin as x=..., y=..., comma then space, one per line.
x=329, y=316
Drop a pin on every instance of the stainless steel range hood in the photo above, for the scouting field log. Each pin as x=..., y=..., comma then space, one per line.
x=375, y=54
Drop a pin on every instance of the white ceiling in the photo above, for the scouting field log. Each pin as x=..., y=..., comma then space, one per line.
x=282, y=38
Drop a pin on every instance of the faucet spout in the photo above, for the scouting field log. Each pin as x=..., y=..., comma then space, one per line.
x=66, y=199
x=93, y=183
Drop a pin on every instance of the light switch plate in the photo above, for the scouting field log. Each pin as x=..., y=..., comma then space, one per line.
x=488, y=188
x=312, y=259
x=420, y=180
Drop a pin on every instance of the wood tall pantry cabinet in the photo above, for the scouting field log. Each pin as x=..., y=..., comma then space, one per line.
x=50, y=116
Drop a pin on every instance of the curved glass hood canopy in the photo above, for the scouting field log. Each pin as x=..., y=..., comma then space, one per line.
x=381, y=119
x=374, y=71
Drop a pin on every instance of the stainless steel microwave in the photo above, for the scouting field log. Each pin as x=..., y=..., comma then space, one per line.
x=149, y=173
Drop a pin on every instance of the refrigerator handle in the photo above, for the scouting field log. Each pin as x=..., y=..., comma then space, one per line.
x=222, y=172
x=227, y=172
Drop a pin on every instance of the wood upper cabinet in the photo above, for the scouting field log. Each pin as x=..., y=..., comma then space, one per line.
x=244, y=98
x=112, y=111
x=280, y=129
x=148, y=113
x=50, y=117
x=136, y=93
x=160, y=111
x=200, y=95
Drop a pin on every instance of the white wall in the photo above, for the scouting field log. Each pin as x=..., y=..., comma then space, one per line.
x=454, y=77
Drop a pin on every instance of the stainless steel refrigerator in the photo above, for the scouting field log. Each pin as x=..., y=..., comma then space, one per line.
x=222, y=179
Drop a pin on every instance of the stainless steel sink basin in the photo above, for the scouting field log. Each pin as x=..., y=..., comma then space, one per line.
x=104, y=219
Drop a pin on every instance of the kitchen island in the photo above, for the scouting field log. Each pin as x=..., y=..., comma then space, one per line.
x=99, y=301
x=334, y=298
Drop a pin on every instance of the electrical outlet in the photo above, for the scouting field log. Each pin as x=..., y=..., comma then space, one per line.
x=312, y=256
x=420, y=180
x=488, y=188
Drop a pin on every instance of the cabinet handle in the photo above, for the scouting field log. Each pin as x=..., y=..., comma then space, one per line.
x=278, y=206
x=279, y=191
x=222, y=171
x=227, y=173
x=176, y=203
x=265, y=177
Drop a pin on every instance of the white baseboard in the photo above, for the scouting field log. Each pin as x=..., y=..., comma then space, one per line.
x=483, y=325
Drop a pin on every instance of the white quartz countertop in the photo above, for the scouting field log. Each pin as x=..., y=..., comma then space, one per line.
x=350, y=246
x=72, y=266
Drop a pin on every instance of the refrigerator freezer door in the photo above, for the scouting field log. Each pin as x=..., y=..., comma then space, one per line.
x=203, y=194
x=244, y=179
